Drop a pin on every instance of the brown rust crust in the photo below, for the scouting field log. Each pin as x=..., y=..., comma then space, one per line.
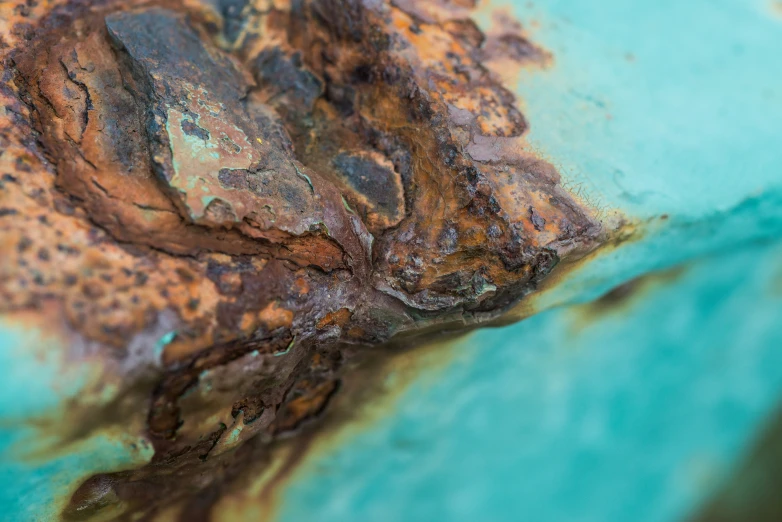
x=272, y=186
x=481, y=215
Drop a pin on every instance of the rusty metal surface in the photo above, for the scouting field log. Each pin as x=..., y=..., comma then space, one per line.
x=215, y=216
x=220, y=206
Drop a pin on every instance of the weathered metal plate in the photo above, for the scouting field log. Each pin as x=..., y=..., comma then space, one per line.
x=634, y=407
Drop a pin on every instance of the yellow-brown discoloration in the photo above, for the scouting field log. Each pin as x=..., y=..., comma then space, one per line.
x=618, y=300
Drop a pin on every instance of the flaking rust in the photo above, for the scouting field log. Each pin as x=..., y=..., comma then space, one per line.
x=283, y=184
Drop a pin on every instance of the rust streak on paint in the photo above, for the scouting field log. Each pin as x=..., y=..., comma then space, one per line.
x=619, y=299
x=369, y=393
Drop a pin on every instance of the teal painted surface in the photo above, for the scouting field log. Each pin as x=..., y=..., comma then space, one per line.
x=631, y=415
x=38, y=382
x=38, y=473
x=659, y=107
x=662, y=108
x=653, y=108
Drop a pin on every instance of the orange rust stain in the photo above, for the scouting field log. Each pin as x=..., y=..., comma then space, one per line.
x=184, y=346
x=274, y=316
x=337, y=318
x=305, y=406
x=356, y=332
x=302, y=287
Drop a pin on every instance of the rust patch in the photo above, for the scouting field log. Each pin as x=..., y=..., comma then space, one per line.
x=286, y=184
x=338, y=318
x=304, y=402
x=508, y=48
x=273, y=316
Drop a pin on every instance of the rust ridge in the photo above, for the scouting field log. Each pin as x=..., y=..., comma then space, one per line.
x=227, y=201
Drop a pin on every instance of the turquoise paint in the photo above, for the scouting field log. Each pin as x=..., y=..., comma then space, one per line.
x=161, y=344
x=37, y=383
x=694, y=115
x=287, y=348
x=635, y=415
x=39, y=489
x=694, y=99
x=659, y=108
x=37, y=478
x=671, y=242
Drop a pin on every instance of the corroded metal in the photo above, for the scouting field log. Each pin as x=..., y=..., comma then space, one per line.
x=227, y=203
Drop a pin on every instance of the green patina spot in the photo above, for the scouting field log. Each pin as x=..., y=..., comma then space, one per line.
x=197, y=161
x=233, y=437
x=347, y=207
x=287, y=349
x=164, y=341
x=485, y=288
x=201, y=376
x=149, y=215
x=304, y=177
x=320, y=226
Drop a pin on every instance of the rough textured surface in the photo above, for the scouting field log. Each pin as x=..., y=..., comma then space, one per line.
x=654, y=393
x=227, y=202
